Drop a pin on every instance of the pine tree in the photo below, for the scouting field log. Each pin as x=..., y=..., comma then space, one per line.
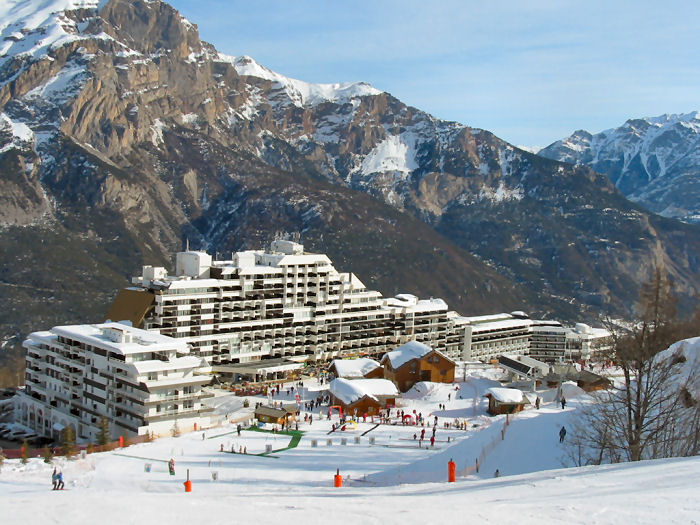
x=68, y=442
x=24, y=457
x=103, y=436
x=48, y=455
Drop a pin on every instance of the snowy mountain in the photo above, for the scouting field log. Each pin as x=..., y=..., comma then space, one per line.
x=653, y=161
x=122, y=134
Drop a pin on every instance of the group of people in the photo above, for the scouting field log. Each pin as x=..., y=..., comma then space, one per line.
x=57, y=479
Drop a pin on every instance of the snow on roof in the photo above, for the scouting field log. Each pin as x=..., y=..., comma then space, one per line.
x=502, y=325
x=489, y=318
x=416, y=305
x=354, y=368
x=178, y=363
x=349, y=391
x=99, y=335
x=403, y=354
x=506, y=395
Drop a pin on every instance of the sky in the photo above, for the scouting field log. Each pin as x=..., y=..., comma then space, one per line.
x=531, y=72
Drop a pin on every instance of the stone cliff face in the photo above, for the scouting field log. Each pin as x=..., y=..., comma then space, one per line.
x=122, y=135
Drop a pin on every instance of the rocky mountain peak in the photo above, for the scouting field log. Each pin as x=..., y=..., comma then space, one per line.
x=149, y=27
x=652, y=160
x=122, y=134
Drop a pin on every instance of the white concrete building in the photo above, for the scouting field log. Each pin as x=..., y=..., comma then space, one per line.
x=585, y=342
x=286, y=303
x=141, y=381
x=489, y=336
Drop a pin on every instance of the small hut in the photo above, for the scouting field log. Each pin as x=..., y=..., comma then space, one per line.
x=505, y=400
x=274, y=415
x=590, y=382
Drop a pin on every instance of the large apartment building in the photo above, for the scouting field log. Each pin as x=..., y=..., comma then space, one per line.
x=276, y=304
x=139, y=380
x=288, y=303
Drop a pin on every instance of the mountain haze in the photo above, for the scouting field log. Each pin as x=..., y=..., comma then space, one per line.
x=122, y=134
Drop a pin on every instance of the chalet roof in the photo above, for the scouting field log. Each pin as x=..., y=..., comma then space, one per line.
x=405, y=353
x=349, y=391
x=354, y=368
x=589, y=377
x=506, y=395
x=569, y=373
x=271, y=411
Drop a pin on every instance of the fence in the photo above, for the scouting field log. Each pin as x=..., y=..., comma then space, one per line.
x=468, y=470
x=16, y=453
x=402, y=476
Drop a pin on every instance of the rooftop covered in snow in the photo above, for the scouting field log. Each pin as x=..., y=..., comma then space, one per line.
x=354, y=368
x=349, y=391
x=405, y=353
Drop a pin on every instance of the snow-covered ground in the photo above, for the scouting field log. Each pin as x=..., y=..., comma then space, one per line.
x=392, y=480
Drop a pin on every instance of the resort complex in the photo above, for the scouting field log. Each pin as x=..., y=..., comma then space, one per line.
x=255, y=317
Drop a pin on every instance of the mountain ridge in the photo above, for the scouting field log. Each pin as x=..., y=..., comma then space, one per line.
x=143, y=136
x=654, y=161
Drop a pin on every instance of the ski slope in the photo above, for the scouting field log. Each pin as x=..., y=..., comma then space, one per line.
x=389, y=481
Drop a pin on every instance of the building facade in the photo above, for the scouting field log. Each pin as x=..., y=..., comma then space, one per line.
x=287, y=303
x=140, y=381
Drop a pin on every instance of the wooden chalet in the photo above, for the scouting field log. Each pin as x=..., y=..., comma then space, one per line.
x=363, y=396
x=505, y=400
x=414, y=362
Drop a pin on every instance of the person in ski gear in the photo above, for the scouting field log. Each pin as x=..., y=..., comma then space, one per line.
x=54, y=479
x=497, y=474
x=562, y=434
x=563, y=403
x=59, y=481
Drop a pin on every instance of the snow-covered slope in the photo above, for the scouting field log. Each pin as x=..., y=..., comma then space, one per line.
x=404, y=483
x=31, y=29
x=653, y=160
x=299, y=92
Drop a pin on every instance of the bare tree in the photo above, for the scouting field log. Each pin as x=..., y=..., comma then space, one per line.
x=651, y=414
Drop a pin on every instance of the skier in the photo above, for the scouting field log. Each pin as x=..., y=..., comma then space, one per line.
x=562, y=434
x=563, y=402
x=238, y=429
x=59, y=480
x=171, y=466
x=54, y=479
x=537, y=403
x=497, y=474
